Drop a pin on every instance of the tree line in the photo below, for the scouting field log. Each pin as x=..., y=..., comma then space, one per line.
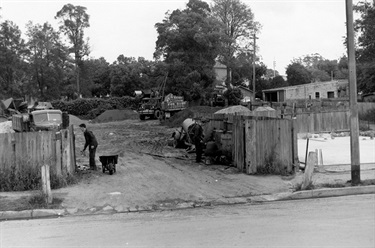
x=50, y=64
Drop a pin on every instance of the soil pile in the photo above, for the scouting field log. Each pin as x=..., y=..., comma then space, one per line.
x=116, y=115
x=74, y=120
x=177, y=119
x=234, y=109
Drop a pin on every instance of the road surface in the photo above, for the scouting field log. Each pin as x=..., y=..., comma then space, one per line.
x=327, y=222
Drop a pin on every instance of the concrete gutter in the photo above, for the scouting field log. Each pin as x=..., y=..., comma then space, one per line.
x=327, y=192
x=306, y=194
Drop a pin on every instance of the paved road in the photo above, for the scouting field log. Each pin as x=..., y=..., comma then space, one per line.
x=327, y=222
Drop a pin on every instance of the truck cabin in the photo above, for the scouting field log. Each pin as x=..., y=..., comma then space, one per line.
x=47, y=119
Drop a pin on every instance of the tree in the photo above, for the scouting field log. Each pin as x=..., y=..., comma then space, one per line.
x=73, y=21
x=277, y=82
x=188, y=41
x=98, y=76
x=365, y=51
x=13, y=67
x=298, y=74
x=321, y=69
x=238, y=27
x=48, y=59
x=128, y=74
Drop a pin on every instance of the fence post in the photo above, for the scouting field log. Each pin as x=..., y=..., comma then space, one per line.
x=309, y=169
x=46, y=184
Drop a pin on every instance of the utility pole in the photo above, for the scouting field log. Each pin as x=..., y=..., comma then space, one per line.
x=254, y=57
x=354, y=129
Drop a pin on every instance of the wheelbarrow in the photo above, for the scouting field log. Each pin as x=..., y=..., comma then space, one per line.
x=109, y=163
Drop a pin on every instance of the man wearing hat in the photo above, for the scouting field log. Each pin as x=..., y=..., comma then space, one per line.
x=92, y=143
x=198, y=135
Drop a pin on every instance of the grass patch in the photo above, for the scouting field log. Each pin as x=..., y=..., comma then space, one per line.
x=33, y=201
x=37, y=201
x=28, y=177
x=298, y=186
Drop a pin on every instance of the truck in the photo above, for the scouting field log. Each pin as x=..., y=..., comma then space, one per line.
x=161, y=107
x=40, y=120
x=157, y=106
x=217, y=97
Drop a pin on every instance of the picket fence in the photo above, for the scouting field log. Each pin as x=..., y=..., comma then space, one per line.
x=18, y=150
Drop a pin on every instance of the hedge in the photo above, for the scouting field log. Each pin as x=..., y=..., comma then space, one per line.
x=91, y=107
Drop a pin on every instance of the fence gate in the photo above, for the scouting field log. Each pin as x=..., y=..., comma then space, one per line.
x=264, y=142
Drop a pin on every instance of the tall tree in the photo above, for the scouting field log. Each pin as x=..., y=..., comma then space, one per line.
x=12, y=60
x=73, y=21
x=238, y=26
x=48, y=58
x=365, y=52
x=298, y=74
x=188, y=40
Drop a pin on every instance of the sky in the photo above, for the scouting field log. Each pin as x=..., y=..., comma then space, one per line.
x=290, y=28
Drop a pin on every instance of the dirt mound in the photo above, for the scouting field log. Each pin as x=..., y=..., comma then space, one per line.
x=116, y=115
x=234, y=109
x=74, y=120
x=177, y=119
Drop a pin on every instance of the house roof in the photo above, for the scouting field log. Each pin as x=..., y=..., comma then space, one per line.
x=339, y=82
x=245, y=88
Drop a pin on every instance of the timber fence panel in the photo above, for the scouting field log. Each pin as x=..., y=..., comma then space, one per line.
x=269, y=144
x=321, y=121
x=6, y=150
x=36, y=149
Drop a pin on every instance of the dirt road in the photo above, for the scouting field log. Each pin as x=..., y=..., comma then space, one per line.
x=150, y=173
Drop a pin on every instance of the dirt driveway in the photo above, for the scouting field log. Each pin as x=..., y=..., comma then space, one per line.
x=151, y=173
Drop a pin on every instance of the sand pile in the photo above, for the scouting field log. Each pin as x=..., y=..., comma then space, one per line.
x=234, y=109
x=6, y=127
x=74, y=120
x=117, y=115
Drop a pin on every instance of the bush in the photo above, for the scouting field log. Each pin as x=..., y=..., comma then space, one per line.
x=83, y=106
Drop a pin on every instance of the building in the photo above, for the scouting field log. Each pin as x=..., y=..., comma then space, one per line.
x=221, y=72
x=317, y=90
x=248, y=95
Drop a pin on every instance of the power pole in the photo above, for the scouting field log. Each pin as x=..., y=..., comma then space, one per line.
x=254, y=57
x=354, y=129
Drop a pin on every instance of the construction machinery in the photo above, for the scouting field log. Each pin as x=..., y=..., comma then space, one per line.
x=157, y=106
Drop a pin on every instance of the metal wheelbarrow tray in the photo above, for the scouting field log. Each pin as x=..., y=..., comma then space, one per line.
x=109, y=163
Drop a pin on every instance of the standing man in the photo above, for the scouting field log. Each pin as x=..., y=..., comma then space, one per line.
x=198, y=140
x=92, y=143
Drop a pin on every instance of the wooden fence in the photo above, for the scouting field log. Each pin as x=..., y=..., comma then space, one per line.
x=35, y=149
x=255, y=142
x=322, y=121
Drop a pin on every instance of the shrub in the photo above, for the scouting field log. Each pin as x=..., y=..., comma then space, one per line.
x=83, y=106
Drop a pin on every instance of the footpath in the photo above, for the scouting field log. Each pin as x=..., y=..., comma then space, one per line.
x=329, y=181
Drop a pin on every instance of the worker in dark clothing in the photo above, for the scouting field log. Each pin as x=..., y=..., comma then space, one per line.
x=92, y=143
x=198, y=140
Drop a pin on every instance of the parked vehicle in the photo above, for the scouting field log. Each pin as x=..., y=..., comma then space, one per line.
x=39, y=120
x=157, y=106
x=217, y=97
